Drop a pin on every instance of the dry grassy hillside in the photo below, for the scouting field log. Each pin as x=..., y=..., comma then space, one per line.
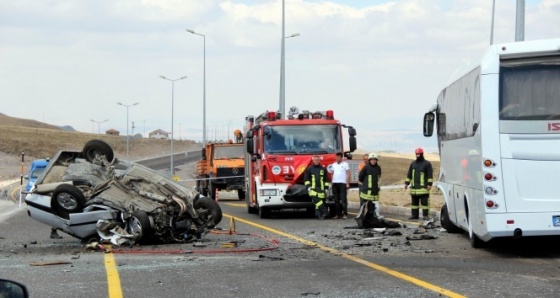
x=39, y=140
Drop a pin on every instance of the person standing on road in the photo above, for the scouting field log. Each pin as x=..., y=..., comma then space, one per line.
x=369, y=182
x=420, y=180
x=316, y=181
x=340, y=185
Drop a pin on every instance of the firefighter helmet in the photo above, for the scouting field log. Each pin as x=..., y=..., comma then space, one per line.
x=373, y=156
x=419, y=150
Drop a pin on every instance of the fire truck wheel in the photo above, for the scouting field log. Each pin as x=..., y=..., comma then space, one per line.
x=241, y=194
x=264, y=212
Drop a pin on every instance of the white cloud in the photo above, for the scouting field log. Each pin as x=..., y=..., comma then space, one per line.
x=378, y=66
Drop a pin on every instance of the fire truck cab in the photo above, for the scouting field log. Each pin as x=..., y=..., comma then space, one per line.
x=278, y=152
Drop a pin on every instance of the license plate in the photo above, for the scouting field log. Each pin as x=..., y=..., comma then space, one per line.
x=556, y=220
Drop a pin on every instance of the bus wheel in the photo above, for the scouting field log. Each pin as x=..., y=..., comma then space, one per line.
x=446, y=222
x=475, y=241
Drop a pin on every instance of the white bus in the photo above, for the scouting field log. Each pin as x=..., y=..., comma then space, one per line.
x=498, y=130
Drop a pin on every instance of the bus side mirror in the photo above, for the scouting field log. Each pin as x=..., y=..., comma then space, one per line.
x=428, y=124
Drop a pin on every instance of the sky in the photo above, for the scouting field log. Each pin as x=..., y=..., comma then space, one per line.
x=379, y=65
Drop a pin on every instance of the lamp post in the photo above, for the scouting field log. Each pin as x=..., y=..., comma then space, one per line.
x=203, y=86
x=127, y=106
x=99, y=124
x=171, y=168
x=282, y=107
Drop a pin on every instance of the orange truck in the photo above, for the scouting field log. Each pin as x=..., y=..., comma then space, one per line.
x=222, y=167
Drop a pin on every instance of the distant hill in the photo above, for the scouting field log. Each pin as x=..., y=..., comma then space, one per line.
x=13, y=121
x=40, y=140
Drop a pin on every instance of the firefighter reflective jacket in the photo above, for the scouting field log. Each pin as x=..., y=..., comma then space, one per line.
x=369, y=177
x=315, y=178
x=420, y=175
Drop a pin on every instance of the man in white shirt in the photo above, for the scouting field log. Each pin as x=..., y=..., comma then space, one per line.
x=340, y=184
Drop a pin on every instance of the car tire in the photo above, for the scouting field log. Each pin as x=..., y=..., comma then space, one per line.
x=97, y=147
x=140, y=225
x=208, y=210
x=67, y=199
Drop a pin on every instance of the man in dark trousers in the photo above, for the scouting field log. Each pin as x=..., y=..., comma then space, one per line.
x=369, y=183
x=419, y=179
x=316, y=181
x=340, y=185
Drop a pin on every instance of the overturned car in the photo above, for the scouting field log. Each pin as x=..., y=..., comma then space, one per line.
x=90, y=194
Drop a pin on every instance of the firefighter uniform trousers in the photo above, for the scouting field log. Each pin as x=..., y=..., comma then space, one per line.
x=315, y=180
x=419, y=177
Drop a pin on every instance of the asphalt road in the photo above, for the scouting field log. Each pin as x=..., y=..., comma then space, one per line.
x=329, y=258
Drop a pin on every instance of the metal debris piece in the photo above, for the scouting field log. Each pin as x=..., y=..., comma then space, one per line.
x=50, y=263
x=421, y=237
x=420, y=230
x=310, y=293
x=75, y=257
x=271, y=258
x=199, y=244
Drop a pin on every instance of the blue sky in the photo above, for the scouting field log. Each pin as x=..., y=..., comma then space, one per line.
x=378, y=64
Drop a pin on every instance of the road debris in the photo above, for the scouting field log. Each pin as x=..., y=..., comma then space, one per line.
x=50, y=263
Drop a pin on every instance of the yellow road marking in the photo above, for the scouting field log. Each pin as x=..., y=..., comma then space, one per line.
x=394, y=273
x=113, y=279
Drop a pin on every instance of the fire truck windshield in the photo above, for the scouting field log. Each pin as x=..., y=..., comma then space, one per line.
x=228, y=152
x=302, y=139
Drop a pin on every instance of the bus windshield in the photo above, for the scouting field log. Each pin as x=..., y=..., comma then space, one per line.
x=304, y=139
x=530, y=88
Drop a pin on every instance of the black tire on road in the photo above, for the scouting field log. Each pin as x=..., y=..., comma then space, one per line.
x=264, y=212
x=475, y=241
x=97, y=147
x=446, y=222
x=208, y=210
x=241, y=194
x=140, y=225
x=67, y=199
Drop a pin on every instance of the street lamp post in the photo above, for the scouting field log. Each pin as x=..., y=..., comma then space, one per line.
x=171, y=168
x=203, y=86
x=127, y=106
x=282, y=107
x=99, y=124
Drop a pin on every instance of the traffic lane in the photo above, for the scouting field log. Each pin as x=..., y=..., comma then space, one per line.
x=503, y=264
x=291, y=270
x=24, y=241
x=321, y=233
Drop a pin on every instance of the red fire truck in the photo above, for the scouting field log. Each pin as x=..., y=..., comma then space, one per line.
x=278, y=152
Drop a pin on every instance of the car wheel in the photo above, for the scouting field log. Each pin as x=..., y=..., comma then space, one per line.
x=446, y=222
x=97, y=147
x=140, y=225
x=208, y=210
x=67, y=199
x=241, y=194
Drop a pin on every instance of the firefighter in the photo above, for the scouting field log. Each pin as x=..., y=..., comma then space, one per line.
x=420, y=179
x=316, y=181
x=369, y=182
